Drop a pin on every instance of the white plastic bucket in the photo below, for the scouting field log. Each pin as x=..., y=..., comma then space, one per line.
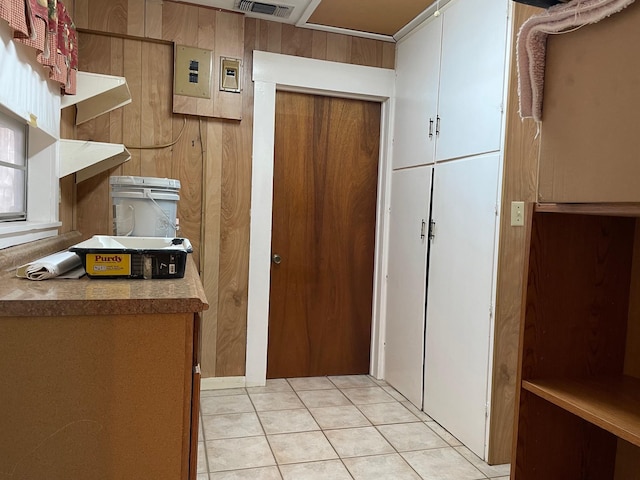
x=145, y=206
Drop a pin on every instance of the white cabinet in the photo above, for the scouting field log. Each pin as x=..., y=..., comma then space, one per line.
x=450, y=83
x=460, y=296
x=417, y=64
x=440, y=294
x=407, y=276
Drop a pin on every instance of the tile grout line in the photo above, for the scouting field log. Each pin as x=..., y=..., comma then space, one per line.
x=320, y=426
x=395, y=401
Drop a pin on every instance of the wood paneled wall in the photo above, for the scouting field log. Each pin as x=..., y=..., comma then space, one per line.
x=519, y=183
x=212, y=159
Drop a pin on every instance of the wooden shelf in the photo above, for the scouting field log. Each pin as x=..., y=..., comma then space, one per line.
x=97, y=94
x=614, y=209
x=87, y=159
x=611, y=403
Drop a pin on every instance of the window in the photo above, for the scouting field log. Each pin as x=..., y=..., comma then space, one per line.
x=13, y=169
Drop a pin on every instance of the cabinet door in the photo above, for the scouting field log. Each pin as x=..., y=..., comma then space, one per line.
x=417, y=64
x=471, y=78
x=459, y=299
x=407, y=275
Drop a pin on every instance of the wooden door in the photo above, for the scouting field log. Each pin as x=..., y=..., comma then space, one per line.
x=459, y=297
x=474, y=38
x=324, y=218
x=407, y=280
x=417, y=76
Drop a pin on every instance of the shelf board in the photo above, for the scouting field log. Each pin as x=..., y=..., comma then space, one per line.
x=87, y=159
x=97, y=94
x=610, y=209
x=611, y=403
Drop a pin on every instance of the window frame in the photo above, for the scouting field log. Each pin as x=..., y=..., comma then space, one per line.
x=9, y=121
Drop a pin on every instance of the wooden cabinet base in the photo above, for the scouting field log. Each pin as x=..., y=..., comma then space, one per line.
x=100, y=397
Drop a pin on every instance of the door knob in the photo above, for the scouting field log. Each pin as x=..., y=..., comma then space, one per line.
x=277, y=259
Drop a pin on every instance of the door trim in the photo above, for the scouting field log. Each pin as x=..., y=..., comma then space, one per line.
x=273, y=72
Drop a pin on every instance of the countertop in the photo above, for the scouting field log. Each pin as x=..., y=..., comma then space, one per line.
x=85, y=296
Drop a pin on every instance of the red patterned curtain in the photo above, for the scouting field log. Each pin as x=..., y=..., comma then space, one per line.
x=45, y=25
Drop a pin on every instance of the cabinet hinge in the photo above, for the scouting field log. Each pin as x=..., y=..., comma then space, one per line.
x=432, y=229
x=490, y=311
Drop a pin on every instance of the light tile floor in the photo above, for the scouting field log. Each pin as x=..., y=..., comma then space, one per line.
x=328, y=428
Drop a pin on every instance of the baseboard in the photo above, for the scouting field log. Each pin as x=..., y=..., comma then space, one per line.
x=219, y=383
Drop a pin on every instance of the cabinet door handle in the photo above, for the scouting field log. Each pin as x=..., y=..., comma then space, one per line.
x=423, y=227
x=438, y=125
x=431, y=129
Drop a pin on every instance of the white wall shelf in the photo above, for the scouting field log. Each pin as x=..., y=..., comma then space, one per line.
x=87, y=159
x=97, y=94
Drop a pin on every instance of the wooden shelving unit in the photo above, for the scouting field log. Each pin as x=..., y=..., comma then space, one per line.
x=578, y=405
x=609, y=403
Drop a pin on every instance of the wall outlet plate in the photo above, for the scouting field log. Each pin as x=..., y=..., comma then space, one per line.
x=517, y=214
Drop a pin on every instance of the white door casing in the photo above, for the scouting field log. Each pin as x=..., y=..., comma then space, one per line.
x=271, y=72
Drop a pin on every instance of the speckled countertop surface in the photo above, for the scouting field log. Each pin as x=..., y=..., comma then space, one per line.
x=60, y=297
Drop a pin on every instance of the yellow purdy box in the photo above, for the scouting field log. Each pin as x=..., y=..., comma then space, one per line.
x=133, y=257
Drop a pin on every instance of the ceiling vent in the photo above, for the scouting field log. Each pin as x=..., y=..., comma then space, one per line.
x=270, y=9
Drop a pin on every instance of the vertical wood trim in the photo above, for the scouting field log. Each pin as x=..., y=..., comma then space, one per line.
x=186, y=165
x=229, y=41
x=632, y=351
x=297, y=41
x=319, y=45
x=274, y=37
x=388, y=55
x=153, y=19
x=519, y=184
x=212, y=204
x=132, y=121
x=365, y=51
x=234, y=247
x=81, y=13
x=338, y=47
x=108, y=16
x=156, y=124
x=207, y=40
x=135, y=18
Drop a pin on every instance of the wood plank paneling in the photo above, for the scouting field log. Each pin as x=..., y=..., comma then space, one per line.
x=81, y=13
x=210, y=250
x=132, y=121
x=153, y=18
x=135, y=17
x=206, y=40
x=365, y=51
x=221, y=208
x=519, y=183
x=338, y=48
x=297, y=41
x=186, y=165
x=319, y=45
x=229, y=40
x=157, y=128
x=109, y=16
